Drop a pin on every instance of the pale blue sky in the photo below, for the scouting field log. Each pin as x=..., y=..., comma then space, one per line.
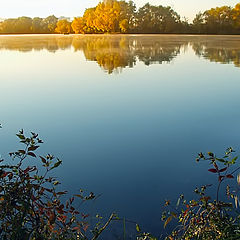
x=70, y=8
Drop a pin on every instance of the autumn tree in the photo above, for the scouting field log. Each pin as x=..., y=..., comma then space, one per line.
x=78, y=25
x=63, y=26
x=51, y=23
x=236, y=17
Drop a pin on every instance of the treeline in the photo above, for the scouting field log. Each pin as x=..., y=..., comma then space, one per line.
x=112, y=16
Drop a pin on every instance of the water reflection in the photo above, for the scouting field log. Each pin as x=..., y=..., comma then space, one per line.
x=113, y=53
x=225, y=51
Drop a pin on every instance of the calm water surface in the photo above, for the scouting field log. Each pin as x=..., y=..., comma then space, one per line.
x=127, y=114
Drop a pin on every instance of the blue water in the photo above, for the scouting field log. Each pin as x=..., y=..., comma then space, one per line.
x=126, y=114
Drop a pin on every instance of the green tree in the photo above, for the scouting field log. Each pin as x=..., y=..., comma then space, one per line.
x=37, y=25
x=157, y=19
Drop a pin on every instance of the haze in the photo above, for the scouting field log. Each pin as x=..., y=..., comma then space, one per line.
x=71, y=8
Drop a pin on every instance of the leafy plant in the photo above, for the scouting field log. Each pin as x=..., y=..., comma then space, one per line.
x=31, y=206
x=204, y=218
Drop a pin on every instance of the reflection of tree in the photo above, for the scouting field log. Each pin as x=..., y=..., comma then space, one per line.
x=222, y=52
x=37, y=43
x=111, y=53
x=115, y=52
x=156, y=50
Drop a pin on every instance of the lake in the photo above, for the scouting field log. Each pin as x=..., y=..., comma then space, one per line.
x=127, y=114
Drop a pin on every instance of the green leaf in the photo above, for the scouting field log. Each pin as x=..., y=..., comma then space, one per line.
x=57, y=164
x=138, y=228
x=20, y=136
x=220, y=160
x=234, y=160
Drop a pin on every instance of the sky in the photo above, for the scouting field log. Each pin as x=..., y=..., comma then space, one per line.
x=71, y=8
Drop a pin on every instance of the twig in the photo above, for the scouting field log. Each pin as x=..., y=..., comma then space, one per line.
x=104, y=227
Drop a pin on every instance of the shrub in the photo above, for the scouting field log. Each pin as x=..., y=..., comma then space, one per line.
x=204, y=218
x=31, y=206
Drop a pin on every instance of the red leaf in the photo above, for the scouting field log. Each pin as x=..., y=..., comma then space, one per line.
x=230, y=176
x=185, y=213
x=220, y=178
x=223, y=169
x=212, y=170
x=26, y=170
x=85, y=216
x=43, y=159
x=75, y=228
x=4, y=174
x=85, y=228
x=31, y=154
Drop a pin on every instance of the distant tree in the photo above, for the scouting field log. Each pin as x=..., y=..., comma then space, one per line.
x=219, y=20
x=24, y=25
x=157, y=19
x=37, y=25
x=199, y=23
x=63, y=26
x=236, y=17
x=78, y=25
x=124, y=25
x=89, y=18
x=50, y=23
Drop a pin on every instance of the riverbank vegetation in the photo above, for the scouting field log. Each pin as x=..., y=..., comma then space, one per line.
x=34, y=207
x=112, y=16
x=31, y=196
x=214, y=213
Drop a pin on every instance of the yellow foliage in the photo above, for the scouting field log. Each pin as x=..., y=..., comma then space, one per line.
x=63, y=26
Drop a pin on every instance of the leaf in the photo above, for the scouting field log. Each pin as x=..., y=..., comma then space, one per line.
x=33, y=148
x=223, y=169
x=174, y=214
x=234, y=160
x=61, y=193
x=169, y=219
x=230, y=176
x=56, y=183
x=85, y=215
x=32, y=154
x=220, y=178
x=212, y=170
x=238, y=179
x=78, y=195
x=85, y=227
x=178, y=202
x=43, y=159
x=21, y=151
x=75, y=229
x=210, y=154
x=57, y=164
x=20, y=136
x=236, y=201
x=138, y=228
x=220, y=160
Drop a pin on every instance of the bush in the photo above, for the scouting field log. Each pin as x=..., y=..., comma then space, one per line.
x=204, y=218
x=31, y=206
